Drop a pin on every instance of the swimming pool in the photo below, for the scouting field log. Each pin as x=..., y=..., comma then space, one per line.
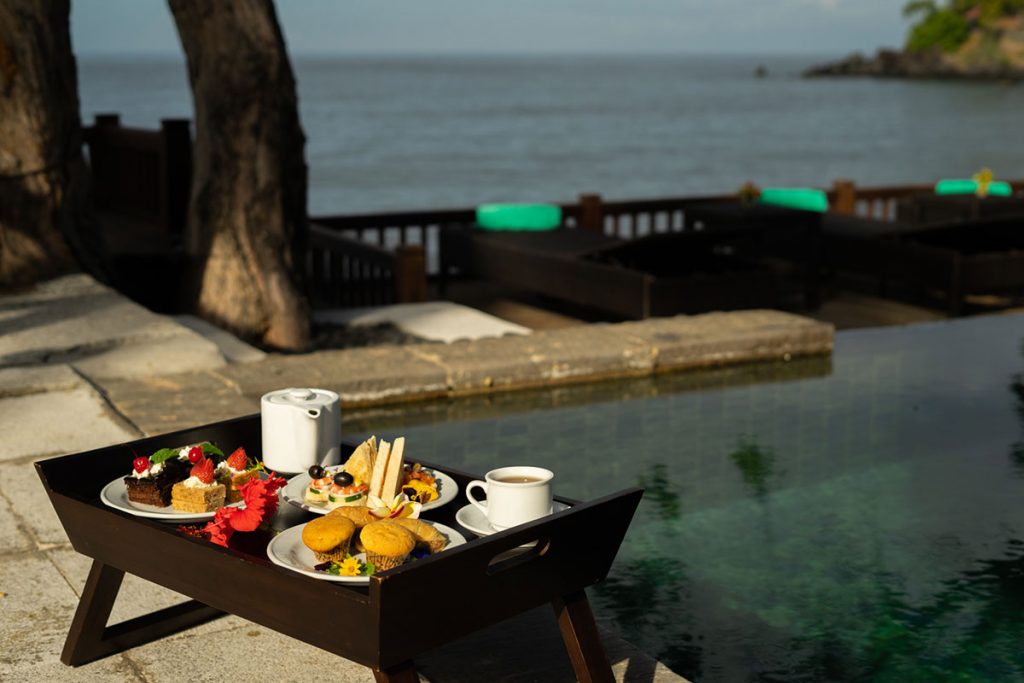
x=858, y=520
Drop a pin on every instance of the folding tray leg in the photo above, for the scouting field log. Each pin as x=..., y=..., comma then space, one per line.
x=582, y=641
x=403, y=673
x=89, y=637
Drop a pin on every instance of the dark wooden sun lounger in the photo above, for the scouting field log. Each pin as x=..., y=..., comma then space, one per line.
x=931, y=209
x=659, y=274
x=951, y=260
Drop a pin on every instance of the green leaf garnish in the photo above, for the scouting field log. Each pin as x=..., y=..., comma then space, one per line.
x=368, y=569
x=210, y=449
x=163, y=455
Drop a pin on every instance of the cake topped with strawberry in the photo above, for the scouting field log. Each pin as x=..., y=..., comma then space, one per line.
x=152, y=478
x=234, y=471
x=200, y=492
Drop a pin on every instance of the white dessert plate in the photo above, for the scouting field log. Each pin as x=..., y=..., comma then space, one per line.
x=287, y=550
x=115, y=494
x=294, y=492
x=471, y=517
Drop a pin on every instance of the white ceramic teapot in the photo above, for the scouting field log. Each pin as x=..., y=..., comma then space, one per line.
x=301, y=427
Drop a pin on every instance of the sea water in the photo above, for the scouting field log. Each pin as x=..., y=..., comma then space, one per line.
x=388, y=134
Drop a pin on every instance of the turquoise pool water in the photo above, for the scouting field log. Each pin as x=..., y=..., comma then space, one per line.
x=858, y=521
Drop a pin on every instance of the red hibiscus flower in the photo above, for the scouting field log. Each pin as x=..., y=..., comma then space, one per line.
x=260, y=497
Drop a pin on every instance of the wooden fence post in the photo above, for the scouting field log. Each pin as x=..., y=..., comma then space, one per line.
x=175, y=173
x=410, y=274
x=846, y=197
x=591, y=213
x=107, y=120
x=100, y=162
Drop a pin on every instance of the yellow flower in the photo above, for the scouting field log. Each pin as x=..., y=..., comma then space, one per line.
x=983, y=178
x=350, y=566
x=424, y=493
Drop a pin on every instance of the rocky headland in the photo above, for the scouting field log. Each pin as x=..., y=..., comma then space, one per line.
x=993, y=53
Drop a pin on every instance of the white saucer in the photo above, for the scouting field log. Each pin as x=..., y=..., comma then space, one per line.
x=470, y=517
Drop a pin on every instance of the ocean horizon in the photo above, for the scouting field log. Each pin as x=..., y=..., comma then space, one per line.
x=408, y=132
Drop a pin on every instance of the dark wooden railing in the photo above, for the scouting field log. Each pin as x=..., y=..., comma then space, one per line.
x=345, y=272
x=626, y=219
x=370, y=259
x=142, y=173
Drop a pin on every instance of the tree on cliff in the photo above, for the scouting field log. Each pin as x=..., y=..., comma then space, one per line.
x=948, y=27
x=247, y=215
x=44, y=203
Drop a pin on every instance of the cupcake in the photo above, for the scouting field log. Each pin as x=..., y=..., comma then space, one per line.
x=329, y=537
x=387, y=544
x=425, y=534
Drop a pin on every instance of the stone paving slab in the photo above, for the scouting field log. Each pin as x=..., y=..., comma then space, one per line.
x=58, y=323
x=714, y=339
x=593, y=352
x=248, y=653
x=393, y=374
x=76, y=320
x=34, y=619
x=136, y=596
x=12, y=538
x=147, y=357
x=31, y=508
x=381, y=374
x=158, y=405
x=36, y=380
x=57, y=422
x=233, y=349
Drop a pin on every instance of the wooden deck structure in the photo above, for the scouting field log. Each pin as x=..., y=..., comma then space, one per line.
x=142, y=182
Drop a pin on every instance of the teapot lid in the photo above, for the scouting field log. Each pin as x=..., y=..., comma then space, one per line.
x=301, y=396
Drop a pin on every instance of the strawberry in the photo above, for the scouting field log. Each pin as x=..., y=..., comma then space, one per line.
x=195, y=454
x=203, y=470
x=238, y=459
x=140, y=464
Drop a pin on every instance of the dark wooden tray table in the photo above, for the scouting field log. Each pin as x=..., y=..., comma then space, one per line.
x=490, y=579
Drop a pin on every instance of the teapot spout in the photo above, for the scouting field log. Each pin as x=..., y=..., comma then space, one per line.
x=313, y=413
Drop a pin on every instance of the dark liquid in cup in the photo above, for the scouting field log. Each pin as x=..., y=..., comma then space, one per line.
x=517, y=479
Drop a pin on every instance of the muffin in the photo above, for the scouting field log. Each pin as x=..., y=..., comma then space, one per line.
x=425, y=534
x=358, y=515
x=328, y=537
x=387, y=544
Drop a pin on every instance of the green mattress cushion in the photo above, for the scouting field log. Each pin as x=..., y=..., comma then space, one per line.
x=518, y=216
x=795, y=198
x=996, y=188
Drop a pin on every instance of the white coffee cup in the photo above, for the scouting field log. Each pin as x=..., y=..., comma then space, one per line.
x=515, y=495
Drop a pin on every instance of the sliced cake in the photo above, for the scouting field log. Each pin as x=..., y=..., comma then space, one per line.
x=152, y=478
x=200, y=492
x=233, y=472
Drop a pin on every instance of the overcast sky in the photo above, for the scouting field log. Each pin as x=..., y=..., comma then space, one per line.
x=383, y=27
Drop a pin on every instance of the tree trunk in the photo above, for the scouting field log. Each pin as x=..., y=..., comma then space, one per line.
x=43, y=178
x=247, y=219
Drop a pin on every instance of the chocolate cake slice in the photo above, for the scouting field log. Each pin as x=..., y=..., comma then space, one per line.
x=155, y=489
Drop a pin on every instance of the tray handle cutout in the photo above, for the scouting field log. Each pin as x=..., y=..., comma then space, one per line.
x=516, y=557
